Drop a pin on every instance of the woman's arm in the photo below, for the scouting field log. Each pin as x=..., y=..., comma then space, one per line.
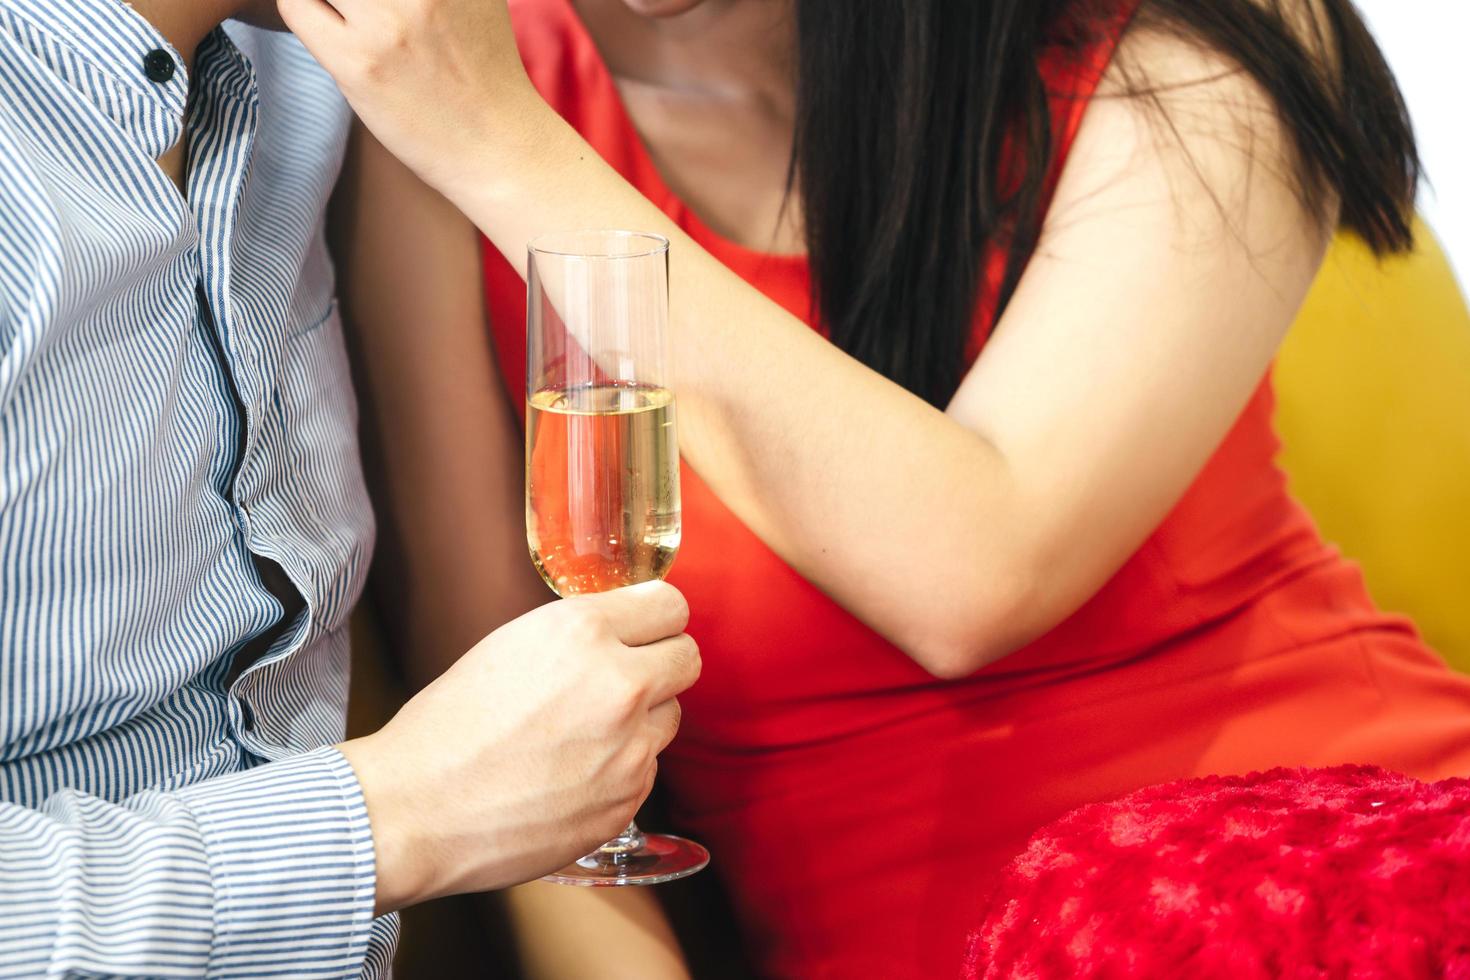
x=446, y=471
x=593, y=933
x=441, y=442
x=1172, y=262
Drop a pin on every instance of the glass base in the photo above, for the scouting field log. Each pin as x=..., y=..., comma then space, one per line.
x=655, y=859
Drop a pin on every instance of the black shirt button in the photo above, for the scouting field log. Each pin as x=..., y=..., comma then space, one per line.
x=159, y=66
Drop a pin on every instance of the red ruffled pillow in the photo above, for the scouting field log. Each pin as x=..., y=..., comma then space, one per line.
x=1347, y=872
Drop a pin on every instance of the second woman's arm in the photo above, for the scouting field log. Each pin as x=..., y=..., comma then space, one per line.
x=441, y=444
x=444, y=454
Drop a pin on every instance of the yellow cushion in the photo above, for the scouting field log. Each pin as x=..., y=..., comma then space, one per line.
x=1373, y=385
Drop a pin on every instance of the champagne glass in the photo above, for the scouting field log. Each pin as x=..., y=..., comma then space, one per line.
x=602, y=457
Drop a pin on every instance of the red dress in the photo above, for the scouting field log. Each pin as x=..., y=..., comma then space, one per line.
x=855, y=806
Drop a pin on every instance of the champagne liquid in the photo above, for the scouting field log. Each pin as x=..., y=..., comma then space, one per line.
x=602, y=485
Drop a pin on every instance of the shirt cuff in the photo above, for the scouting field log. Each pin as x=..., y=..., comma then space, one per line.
x=291, y=860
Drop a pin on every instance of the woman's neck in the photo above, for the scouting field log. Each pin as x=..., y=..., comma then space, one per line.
x=721, y=50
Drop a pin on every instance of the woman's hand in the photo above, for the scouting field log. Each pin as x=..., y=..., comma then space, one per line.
x=433, y=80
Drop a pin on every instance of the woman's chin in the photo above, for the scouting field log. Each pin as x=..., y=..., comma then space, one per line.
x=661, y=8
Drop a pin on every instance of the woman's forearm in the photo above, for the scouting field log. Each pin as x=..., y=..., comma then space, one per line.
x=861, y=486
x=1171, y=263
x=850, y=478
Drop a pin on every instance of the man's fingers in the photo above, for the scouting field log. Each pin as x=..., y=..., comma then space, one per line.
x=643, y=613
x=665, y=721
x=670, y=666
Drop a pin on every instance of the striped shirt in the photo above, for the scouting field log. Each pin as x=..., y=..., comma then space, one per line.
x=175, y=408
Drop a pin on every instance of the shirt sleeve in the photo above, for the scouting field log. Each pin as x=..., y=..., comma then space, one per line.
x=266, y=872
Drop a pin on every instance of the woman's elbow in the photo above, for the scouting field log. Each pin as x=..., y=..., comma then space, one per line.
x=961, y=635
x=953, y=658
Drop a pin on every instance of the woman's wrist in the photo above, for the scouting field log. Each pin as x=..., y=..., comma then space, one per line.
x=515, y=151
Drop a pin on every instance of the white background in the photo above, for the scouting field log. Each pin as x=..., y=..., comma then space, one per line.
x=1428, y=46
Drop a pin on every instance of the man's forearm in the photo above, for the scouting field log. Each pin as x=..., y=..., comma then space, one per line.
x=261, y=871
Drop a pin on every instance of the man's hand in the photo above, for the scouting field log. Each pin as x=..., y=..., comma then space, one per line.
x=434, y=80
x=536, y=747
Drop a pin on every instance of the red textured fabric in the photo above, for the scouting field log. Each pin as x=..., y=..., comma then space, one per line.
x=1346, y=872
x=853, y=804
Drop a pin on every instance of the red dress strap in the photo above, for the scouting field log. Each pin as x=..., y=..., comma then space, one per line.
x=1078, y=51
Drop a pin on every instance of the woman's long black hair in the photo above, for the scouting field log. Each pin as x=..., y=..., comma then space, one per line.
x=907, y=111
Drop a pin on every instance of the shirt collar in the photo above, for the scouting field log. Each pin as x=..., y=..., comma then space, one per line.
x=114, y=38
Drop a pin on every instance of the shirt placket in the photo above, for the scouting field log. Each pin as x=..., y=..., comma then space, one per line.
x=222, y=128
x=223, y=118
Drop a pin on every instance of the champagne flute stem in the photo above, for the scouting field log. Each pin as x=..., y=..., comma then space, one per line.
x=620, y=848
